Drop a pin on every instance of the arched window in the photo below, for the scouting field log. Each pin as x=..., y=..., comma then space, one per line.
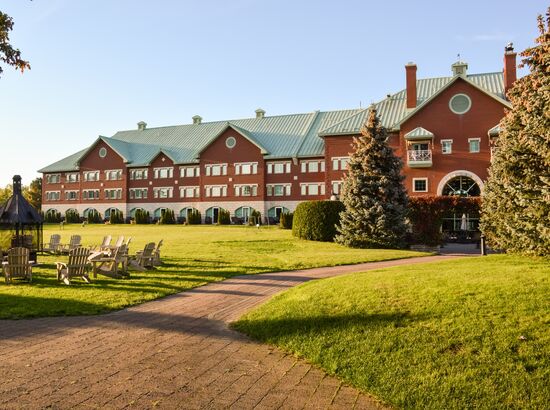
x=461, y=186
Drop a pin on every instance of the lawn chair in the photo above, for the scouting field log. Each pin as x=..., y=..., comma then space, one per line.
x=108, y=265
x=119, y=242
x=78, y=265
x=17, y=265
x=54, y=245
x=105, y=245
x=128, y=240
x=156, y=254
x=75, y=242
x=143, y=259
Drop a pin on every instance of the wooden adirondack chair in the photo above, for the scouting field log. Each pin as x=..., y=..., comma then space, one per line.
x=75, y=242
x=143, y=259
x=119, y=242
x=17, y=265
x=78, y=265
x=105, y=245
x=54, y=245
x=108, y=265
x=156, y=254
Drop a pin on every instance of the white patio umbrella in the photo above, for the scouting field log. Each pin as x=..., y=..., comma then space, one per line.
x=463, y=223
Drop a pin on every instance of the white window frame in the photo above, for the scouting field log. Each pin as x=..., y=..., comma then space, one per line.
x=158, y=172
x=339, y=163
x=478, y=140
x=306, y=188
x=251, y=168
x=215, y=169
x=53, y=196
x=69, y=177
x=306, y=166
x=108, y=193
x=336, y=187
x=193, y=170
x=286, y=189
x=113, y=174
x=419, y=179
x=450, y=145
x=241, y=188
x=143, y=193
x=70, y=193
x=139, y=173
x=163, y=192
x=53, y=179
x=86, y=194
x=209, y=190
x=278, y=167
x=184, y=190
x=91, y=176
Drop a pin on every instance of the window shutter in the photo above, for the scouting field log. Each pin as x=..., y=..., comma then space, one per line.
x=237, y=169
x=197, y=171
x=269, y=190
x=224, y=169
x=208, y=170
x=304, y=166
x=255, y=168
x=287, y=167
x=144, y=193
x=224, y=190
x=322, y=166
x=254, y=190
x=237, y=190
x=303, y=189
x=287, y=190
x=270, y=168
x=335, y=162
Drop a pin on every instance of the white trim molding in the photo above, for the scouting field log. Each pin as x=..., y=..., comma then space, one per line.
x=459, y=173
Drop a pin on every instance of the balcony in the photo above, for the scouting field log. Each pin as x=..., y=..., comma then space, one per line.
x=419, y=158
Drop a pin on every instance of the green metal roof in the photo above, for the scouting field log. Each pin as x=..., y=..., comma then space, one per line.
x=284, y=136
x=419, y=133
x=493, y=132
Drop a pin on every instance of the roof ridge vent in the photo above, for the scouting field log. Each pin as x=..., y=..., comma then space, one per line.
x=197, y=119
x=260, y=113
x=141, y=125
x=459, y=68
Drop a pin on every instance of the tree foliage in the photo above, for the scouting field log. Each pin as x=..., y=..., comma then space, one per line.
x=373, y=193
x=8, y=54
x=33, y=192
x=516, y=206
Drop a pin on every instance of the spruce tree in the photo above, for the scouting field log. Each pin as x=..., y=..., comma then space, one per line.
x=516, y=203
x=373, y=192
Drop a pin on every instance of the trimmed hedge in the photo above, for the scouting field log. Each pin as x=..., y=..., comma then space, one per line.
x=286, y=220
x=167, y=218
x=317, y=220
x=142, y=217
x=255, y=218
x=72, y=217
x=52, y=217
x=194, y=218
x=116, y=217
x=224, y=218
x=94, y=217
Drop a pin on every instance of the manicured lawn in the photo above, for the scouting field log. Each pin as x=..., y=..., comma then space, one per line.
x=468, y=333
x=193, y=256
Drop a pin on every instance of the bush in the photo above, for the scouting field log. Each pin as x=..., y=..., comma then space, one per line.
x=142, y=216
x=255, y=218
x=317, y=220
x=167, y=217
x=72, y=217
x=194, y=217
x=286, y=220
x=426, y=215
x=52, y=217
x=94, y=217
x=116, y=217
x=223, y=217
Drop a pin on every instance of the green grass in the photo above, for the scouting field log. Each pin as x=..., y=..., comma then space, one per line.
x=193, y=256
x=441, y=335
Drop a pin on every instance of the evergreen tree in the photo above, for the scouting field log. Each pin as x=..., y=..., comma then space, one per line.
x=373, y=192
x=516, y=203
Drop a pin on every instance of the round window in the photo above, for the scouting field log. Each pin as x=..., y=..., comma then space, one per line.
x=230, y=142
x=460, y=104
x=103, y=152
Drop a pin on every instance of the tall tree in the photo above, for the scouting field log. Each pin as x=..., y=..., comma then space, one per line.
x=373, y=192
x=33, y=192
x=6, y=193
x=516, y=205
x=8, y=54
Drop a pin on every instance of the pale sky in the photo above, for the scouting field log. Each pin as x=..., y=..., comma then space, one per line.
x=101, y=66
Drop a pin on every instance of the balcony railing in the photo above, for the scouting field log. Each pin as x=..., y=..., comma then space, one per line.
x=419, y=158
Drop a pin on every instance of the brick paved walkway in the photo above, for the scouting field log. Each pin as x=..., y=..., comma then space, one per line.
x=172, y=353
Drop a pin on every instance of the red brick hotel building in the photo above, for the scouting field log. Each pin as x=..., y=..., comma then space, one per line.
x=442, y=128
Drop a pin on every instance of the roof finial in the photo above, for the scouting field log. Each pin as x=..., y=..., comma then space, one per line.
x=458, y=57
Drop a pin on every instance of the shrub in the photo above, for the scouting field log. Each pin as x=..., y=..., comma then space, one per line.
x=94, y=217
x=223, y=217
x=167, y=217
x=255, y=218
x=142, y=216
x=116, y=217
x=194, y=217
x=286, y=220
x=317, y=220
x=72, y=217
x=52, y=217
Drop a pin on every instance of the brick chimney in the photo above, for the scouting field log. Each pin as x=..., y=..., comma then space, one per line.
x=510, y=74
x=410, y=70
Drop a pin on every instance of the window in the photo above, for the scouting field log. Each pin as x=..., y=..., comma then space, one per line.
x=90, y=194
x=340, y=163
x=474, y=144
x=167, y=172
x=313, y=166
x=278, y=189
x=317, y=188
x=138, y=193
x=163, y=192
x=336, y=187
x=246, y=168
x=215, y=190
x=102, y=152
x=91, y=176
x=113, y=174
x=53, y=195
x=53, y=178
x=216, y=169
x=460, y=103
x=420, y=184
x=278, y=167
x=189, y=191
x=230, y=142
x=71, y=195
x=446, y=146
x=246, y=190
x=189, y=172
x=113, y=193
x=72, y=177
x=138, y=173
